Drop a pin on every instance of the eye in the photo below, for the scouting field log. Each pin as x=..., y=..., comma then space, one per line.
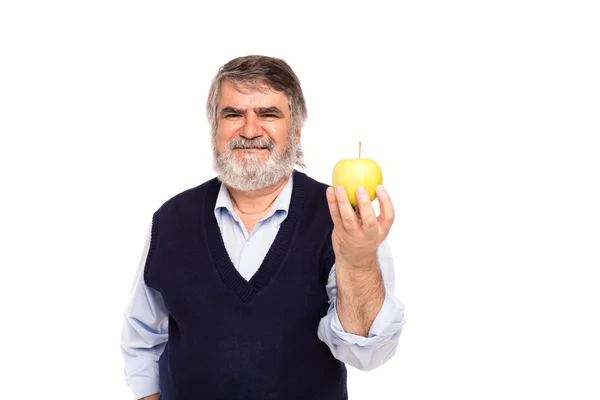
x=270, y=115
x=231, y=116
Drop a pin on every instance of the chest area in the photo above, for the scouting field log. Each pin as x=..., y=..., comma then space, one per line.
x=195, y=283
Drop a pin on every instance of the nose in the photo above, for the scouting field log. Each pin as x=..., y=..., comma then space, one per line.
x=251, y=128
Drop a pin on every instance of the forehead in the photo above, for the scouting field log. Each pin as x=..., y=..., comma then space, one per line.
x=241, y=95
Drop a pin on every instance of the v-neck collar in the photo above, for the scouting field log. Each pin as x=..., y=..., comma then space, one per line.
x=277, y=252
x=281, y=204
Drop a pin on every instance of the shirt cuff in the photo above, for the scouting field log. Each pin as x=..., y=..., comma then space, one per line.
x=387, y=323
x=144, y=387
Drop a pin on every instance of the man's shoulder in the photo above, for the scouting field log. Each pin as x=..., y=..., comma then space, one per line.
x=191, y=195
x=316, y=198
x=313, y=183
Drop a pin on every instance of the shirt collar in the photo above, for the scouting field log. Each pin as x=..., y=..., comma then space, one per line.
x=281, y=203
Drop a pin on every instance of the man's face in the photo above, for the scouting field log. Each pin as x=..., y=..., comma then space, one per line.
x=252, y=114
x=254, y=145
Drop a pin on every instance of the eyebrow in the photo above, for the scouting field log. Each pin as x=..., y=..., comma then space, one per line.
x=259, y=110
x=269, y=110
x=230, y=110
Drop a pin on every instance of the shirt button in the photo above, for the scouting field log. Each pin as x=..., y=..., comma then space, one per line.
x=247, y=244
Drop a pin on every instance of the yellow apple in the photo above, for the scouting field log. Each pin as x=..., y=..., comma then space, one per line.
x=354, y=172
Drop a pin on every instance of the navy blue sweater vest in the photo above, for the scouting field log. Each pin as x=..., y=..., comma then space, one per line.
x=235, y=339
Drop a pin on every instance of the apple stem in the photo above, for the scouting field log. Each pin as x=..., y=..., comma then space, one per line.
x=359, y=148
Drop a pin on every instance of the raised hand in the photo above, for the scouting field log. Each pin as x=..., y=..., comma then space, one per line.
x=358, y=233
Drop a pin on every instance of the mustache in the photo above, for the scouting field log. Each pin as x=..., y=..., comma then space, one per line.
x=255, y=143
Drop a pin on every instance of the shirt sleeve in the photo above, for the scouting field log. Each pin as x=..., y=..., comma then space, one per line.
x=366, y=353
x=144, y=332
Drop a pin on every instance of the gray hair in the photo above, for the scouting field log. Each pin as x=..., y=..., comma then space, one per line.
x=251, y=70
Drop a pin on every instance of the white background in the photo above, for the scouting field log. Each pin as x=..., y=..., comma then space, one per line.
x=483, y=115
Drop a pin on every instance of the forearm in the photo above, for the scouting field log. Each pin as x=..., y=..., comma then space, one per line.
x=360, y=294
x=144, y=336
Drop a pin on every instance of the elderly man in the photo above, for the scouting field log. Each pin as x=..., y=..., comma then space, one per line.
x=261, y=283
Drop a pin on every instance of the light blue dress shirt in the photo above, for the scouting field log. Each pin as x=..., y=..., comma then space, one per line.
x=145, y=328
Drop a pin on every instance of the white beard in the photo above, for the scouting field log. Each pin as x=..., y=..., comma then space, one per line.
x=250, y=172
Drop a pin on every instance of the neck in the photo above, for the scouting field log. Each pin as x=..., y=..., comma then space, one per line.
x=256, y=202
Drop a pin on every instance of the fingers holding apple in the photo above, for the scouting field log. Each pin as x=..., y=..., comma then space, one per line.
x=348, y=217
x=356, y=233
x=366, y=213
x=386, y=208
